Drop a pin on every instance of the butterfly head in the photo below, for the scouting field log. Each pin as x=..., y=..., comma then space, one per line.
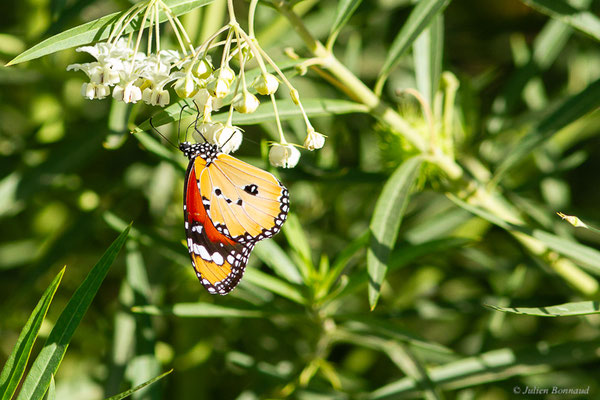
x=207, y=151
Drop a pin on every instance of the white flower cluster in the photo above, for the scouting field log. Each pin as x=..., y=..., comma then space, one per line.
x=133, y=75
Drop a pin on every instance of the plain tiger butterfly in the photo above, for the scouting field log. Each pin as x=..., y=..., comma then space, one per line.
x=229, y=206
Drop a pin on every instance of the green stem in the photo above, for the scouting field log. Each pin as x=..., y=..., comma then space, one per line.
x=359, y=90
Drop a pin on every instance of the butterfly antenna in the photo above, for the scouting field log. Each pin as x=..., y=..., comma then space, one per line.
x=230, y=137
x=179, y=123
x=196, y=121
x=161, y=135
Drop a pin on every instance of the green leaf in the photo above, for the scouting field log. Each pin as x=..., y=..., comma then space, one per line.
x=569, y=111
x=200, y=310
x=344, y=11
x=17, y=361
x=287, y=110
x=428, y=53
x=51, y=395
x=495, y=365
x=561, y=310
x=297, y=239
x=588, y=257
x=420, y=17
x=97, y=30
x=403, y=256
x=50, y=357
x=271, y=254
x=561, y=10
x=344, y=258
x=135, y=389
x=386, y=220
x=275, y=285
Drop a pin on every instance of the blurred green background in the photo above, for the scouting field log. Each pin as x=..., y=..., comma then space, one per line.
x=72, y=177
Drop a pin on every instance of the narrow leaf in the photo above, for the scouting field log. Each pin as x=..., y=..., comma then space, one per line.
x=569, y=111
x=51, y=355
x=584, y=255
x=17, y=361
x=287, y=110
x=271, y=254
x=581, y=20
x=135, y=389
x=496, y=365
x=344, y=11
x=561, y=310
x=275, y=285
x=299, y=242
x=97, y=30
x=421, y=16
x=428, y=53
x=200, y=310
x=385, y=222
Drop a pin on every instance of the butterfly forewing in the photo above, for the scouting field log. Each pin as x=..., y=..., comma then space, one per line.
x=247, y=204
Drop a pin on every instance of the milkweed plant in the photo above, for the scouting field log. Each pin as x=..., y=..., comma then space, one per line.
x=423, y=248
x=134, y=75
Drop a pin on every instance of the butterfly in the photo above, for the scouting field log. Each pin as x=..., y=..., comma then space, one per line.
x=229, y=206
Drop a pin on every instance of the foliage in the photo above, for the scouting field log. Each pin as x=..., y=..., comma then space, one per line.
x=423, y=249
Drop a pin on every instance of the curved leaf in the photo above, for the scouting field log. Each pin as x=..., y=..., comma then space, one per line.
x=345, y=9
x=421, y=16
x=50, y=357
x=386, y=220
x=569, y=111
x=127, y=393
x=287, y=110
x=561, y=310
x=97, y=30
x=582, y=20
x=17, y=361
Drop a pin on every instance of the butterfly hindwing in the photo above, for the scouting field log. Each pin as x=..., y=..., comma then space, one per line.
x=218, y=261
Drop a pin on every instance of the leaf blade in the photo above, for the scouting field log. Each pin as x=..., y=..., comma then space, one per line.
x=96, y=30
x=17, y=361
x=47, y=363
x=421, y=16
x=582, y=20
x=560, y=310
x=386, y=220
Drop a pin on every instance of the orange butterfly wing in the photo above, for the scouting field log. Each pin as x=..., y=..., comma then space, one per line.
x=219, y=262
x=247, y=204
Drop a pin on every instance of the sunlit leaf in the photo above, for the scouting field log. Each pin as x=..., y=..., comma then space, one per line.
x=562, y=310
x=96, y=31
x=420, y=17
x=17, y=361
x=386, y=220
x=135, y=389
x=47, y=363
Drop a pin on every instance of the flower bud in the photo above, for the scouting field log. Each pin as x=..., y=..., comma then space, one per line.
x=229, y=138
x=186, y=87
x=314, y=140
x=225, y=73
x=218, y=88
x=295, y=96
x=266, y=84
x=202, y=69
x=246, y=103
x=284, y=155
